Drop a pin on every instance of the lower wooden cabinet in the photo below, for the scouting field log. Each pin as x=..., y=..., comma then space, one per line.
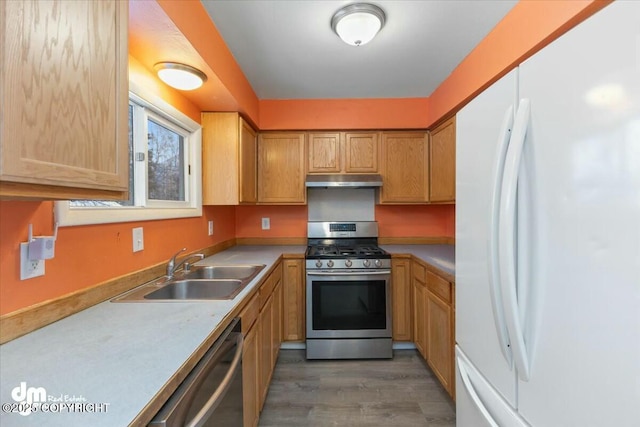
x=401, y=299
x=434, y=322
x=293, y=284
x=269, y=329
x=419, y=288
x=439, y=345
x=250, y=378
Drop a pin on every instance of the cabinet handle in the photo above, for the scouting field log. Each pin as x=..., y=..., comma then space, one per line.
x=507, y=239
x=494, y=259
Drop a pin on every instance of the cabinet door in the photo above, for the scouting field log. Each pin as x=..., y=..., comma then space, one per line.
x=250, y=378
x=419, y=286
x=229, y=162
x=294, y=300
x=324, y=152
x=265, y=331
x=401, y=299
x=439, y=345
x=442, y=168
x=276, y=313
x=248, y=163
x=281, y=169
x=64, y=103
x=405, y=165
x=361, y=152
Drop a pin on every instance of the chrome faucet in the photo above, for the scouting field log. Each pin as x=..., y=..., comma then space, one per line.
x=172, y=267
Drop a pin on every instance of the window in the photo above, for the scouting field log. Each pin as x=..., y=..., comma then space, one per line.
x=164, y=170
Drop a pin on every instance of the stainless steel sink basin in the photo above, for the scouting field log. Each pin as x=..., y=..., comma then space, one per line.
x=206, y=282
x=197, y=289
x=223, y=271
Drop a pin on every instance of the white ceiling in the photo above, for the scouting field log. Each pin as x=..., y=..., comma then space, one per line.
x=287, y=49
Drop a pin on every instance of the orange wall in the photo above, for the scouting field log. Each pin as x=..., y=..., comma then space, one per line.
x=416, y=221
x=404, y=113
x=88, y=255
x=286, y=221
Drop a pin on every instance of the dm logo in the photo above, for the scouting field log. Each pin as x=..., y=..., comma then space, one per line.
x=28, y=396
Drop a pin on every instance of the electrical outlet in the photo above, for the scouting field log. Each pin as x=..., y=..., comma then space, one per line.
x=138, y=239
x=29, y=268
x=266, y=223
x=210, y=228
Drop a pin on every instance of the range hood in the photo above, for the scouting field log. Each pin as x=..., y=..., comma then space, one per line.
x=344, y=181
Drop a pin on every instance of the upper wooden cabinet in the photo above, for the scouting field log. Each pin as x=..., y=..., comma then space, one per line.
x=281, y=168
x=405, y=167
x=343, y=152
x=324, y=152
x=229, y=160
x=63, y=106
x=442, y=170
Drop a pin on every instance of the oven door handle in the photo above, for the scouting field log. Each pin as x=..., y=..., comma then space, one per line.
x=348, y=273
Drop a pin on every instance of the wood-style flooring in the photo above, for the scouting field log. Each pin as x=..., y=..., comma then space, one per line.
x=402, y=392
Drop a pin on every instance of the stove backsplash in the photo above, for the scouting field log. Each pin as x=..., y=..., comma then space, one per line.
x=341, y=204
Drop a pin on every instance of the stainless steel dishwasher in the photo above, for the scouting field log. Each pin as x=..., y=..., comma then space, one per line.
x=211, y=395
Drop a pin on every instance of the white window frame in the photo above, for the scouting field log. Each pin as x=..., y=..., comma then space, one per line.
x=167, y=115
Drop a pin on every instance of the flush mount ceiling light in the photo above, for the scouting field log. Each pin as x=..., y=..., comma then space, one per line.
x=180, y=76
x=358, y=23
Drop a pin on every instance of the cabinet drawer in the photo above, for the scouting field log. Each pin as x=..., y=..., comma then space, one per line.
x=419, y=272
x=439, y=286
x=267, y=287
x=249, y=314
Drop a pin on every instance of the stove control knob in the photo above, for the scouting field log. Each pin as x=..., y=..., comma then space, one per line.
x=348, y=263
x=318, y=263
x=366, y=263
x=330, y=264
x=378, y=263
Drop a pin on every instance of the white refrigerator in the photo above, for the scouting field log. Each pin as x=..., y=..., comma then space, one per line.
x=548, y=235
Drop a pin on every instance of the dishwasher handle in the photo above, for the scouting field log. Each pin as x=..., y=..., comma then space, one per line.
x=175, y=410
x=203, y=415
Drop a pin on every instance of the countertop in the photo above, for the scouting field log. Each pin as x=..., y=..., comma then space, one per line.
x=112, y=359
x=442, y=257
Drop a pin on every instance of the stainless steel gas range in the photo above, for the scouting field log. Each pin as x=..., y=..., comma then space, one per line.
x=348, y=292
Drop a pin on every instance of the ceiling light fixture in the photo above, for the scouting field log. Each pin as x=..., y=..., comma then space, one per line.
x=180, y=76
x=358, y=23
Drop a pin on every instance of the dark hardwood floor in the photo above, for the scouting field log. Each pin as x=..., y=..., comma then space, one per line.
x=373, y=393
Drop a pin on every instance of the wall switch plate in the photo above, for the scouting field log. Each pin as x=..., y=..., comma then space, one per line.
x=138, y=239
x=29, y=268
x=210, y=228
x=266, y=223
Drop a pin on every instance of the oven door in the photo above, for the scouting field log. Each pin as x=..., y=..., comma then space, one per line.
x=348, y=304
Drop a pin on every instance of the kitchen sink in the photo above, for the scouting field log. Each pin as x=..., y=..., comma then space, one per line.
x=199, y=283
x=197, y=289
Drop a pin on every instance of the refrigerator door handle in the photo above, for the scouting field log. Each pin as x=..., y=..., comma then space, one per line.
x=493, y=258
x=507, y=239
x=464, y=375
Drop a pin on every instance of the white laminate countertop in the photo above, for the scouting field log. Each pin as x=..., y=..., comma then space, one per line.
x=116, y=356
x=440, y=256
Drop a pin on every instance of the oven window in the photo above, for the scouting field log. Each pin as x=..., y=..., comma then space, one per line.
x=349, y=305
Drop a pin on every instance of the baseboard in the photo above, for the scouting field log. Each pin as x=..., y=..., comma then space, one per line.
x=397, y=345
